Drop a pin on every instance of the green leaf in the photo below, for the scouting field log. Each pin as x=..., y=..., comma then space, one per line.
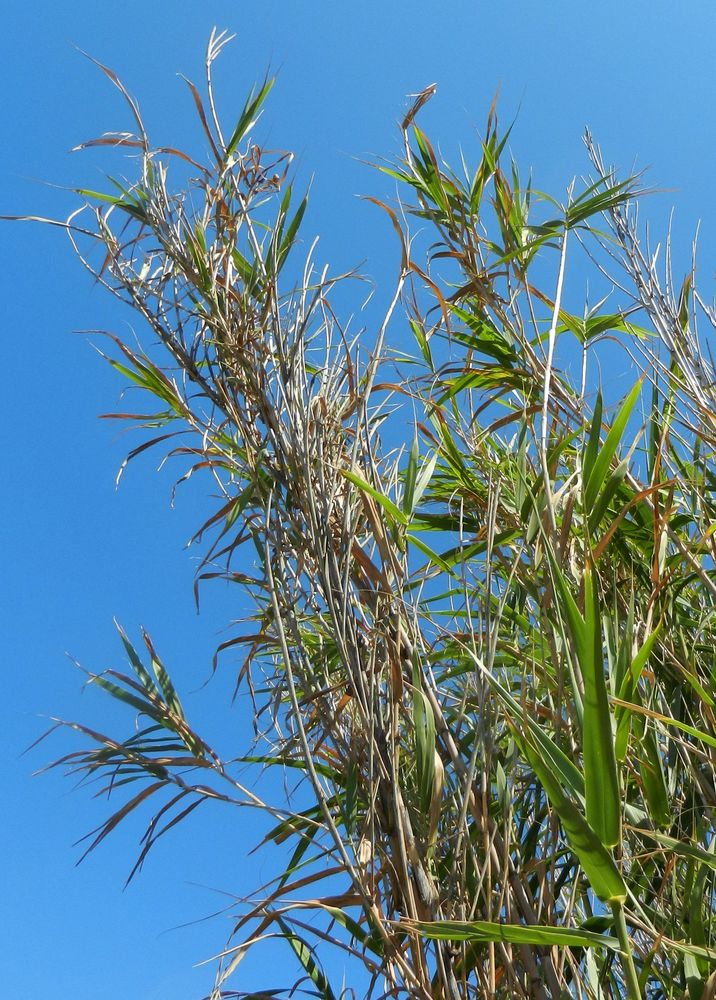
x=601, y=782
x=594, y=201
x=424, y=730
x=554, y=758
x=289, y=236
x=611, y=488
x=595, y=434
x=137, y=665
x=684, y=850
x=246, y=120
x=121, y=694
x=422, y=342
x=304, y=953
x=597, y=862
x=653, y=781
x=163, y=680
x=628, y=687
x=370, y=940
x=411, y=475
x=602, y=796
x=384, y=501
x=684, y=300
x=666, y=720
x=423, y=479
x=434, y=557
x=485, y=931
x=600, y=467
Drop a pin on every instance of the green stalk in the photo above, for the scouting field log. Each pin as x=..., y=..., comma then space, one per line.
x=630, y=976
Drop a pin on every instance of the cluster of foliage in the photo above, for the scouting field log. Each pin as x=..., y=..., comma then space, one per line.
x=487, y=645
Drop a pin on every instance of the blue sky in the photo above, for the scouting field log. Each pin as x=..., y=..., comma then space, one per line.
x=76, y=551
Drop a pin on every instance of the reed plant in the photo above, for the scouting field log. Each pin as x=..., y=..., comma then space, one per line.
x=483, y=587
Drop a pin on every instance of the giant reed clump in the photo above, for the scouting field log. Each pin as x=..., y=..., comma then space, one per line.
x=489, y=652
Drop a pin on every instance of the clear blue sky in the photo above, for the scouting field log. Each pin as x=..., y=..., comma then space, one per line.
x=75, y=551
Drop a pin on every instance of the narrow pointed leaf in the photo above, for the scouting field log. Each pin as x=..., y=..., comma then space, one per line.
x=597, y=862
x=601, y=783
x=600, y=467
x=385, y=502
x=488, y=931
